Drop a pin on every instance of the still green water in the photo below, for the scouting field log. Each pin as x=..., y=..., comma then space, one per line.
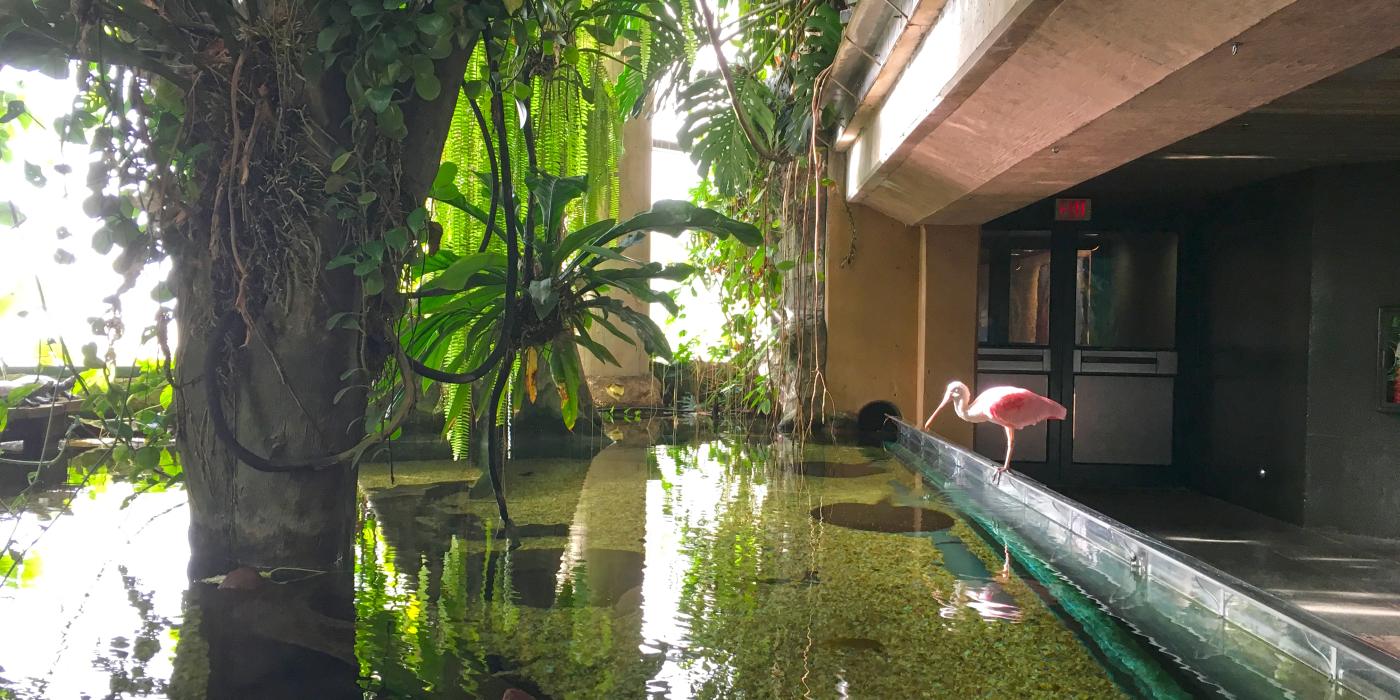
x=700, y=572
x=723, y=569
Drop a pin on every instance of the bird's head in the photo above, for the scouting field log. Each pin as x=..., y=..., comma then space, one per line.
x=957, y=393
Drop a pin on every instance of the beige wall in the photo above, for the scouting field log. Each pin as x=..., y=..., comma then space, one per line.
x=871, y=310
x=901, y=316
x=947, y=320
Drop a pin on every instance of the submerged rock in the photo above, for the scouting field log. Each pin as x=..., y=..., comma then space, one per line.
x=836, y=470
x=883, y=517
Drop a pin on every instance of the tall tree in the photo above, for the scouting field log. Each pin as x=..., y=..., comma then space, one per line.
x=280, y=153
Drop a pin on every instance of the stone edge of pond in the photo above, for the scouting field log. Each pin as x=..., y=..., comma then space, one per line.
x=1102, y=554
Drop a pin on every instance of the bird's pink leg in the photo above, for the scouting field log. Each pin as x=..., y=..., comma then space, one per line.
x=1010, y=443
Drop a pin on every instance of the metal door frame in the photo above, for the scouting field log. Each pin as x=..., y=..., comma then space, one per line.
x=1059, y=465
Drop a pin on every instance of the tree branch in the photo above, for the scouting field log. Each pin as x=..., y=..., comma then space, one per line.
x=749, y=134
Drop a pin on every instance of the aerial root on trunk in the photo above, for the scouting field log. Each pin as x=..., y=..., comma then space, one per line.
x=212, y=359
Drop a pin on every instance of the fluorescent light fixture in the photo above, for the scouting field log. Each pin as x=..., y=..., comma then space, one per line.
x=1205, y=156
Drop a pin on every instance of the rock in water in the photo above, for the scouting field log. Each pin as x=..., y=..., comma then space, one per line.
x=517, y=694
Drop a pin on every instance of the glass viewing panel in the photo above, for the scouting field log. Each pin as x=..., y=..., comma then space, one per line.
x=1013, y=289
x=1126, y=290
x=1028, y=310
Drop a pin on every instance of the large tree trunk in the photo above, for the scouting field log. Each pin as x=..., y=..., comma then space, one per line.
x=280, y=382
x=282, y=386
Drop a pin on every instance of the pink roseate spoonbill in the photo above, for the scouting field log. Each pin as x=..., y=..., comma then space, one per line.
x=1011, y=407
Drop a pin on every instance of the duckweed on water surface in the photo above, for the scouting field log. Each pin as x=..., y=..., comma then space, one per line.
x=689, y=571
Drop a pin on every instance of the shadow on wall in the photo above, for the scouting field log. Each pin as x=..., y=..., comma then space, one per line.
x=873, y=422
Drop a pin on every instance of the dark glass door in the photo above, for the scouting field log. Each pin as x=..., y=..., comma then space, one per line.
x=1014, y=295
x=1087, y=318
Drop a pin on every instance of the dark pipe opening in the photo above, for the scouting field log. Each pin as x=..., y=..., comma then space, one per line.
x=873, y=421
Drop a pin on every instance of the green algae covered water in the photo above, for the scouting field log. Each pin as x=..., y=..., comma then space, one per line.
x=719, y=569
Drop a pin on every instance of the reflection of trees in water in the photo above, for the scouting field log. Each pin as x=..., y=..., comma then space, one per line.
x=126, y=660
x=496, y=616
x=732, y=573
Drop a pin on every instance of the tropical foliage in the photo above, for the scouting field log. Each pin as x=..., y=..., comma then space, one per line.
x=565, y=294
x=567, y=88
x=280, y=149
x=757, y=136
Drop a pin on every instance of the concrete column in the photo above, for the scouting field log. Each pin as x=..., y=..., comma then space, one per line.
x=631, y=384
x=947, y=326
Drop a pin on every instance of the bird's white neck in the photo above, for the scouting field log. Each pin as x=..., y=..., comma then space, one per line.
x=960, y=403
x=960, y=408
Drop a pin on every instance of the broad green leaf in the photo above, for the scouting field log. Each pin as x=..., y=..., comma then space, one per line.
x=428, y=86
x=672, y=216
x=374, y=283
x=325, y=40
x=391, y=122
x=20, y=393
x=10, y=215
x=397, y=238
x=554, y=194
x=456, y=275
x=580, y=238
x=416, y=219
x=379, y=98
x=599, y=350
x=34, y=174
x=13, y=110
x=162, y=292
x=653, y=340
x=573, y=377
x=433, y=24
x=90, y=359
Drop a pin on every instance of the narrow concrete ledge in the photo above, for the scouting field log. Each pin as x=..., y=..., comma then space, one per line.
x=1235, y=634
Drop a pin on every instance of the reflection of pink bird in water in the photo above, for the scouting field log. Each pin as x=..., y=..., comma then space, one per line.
x=1010, y=407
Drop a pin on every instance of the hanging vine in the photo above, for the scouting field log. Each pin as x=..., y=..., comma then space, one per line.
x=758, y=138
x=276, y=149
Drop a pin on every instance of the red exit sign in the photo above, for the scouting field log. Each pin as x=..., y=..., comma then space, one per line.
x=1073, y=209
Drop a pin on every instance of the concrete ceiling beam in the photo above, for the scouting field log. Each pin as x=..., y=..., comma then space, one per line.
x=1059, y=92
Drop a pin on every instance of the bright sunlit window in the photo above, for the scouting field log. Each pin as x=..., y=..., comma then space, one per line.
x=51, y=279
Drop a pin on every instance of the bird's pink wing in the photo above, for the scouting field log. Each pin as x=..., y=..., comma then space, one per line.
x=1019, y=408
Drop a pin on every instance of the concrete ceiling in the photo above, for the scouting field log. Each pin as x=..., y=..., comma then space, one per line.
x=1010, y=101
x=1351, y=117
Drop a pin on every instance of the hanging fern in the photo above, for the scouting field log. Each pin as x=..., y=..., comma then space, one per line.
x=602, y=62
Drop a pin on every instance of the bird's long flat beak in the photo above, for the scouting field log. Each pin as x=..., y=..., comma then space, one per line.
x=929, y=423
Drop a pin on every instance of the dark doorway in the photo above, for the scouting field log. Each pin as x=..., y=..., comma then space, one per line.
x=874, y=422
x=1085, y=316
